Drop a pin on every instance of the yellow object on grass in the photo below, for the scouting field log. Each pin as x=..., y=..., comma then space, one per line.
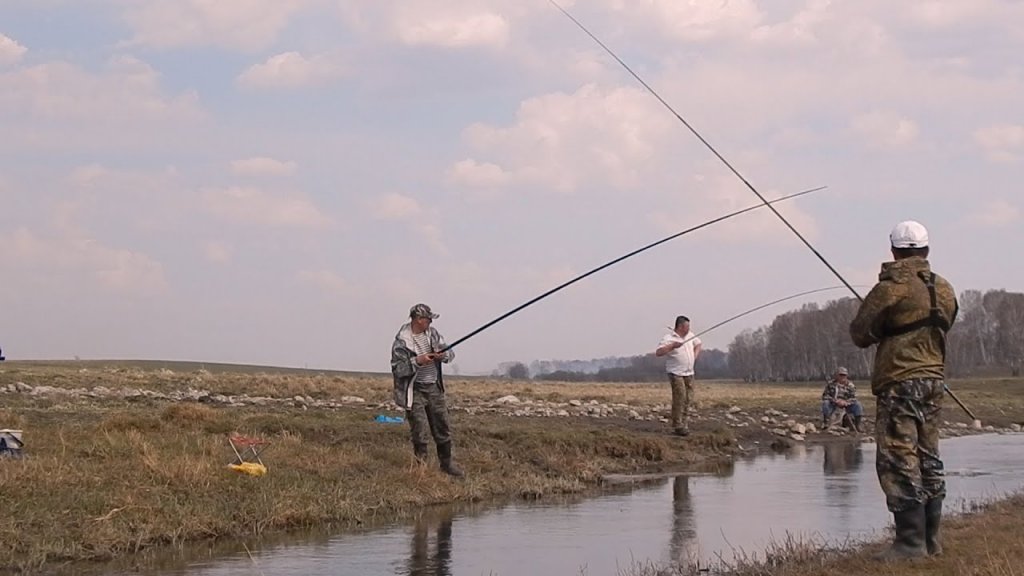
x=250, y=468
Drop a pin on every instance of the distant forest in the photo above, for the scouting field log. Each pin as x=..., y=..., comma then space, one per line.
x=808, y=343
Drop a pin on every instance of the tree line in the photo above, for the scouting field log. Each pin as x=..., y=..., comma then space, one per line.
x=810, y=342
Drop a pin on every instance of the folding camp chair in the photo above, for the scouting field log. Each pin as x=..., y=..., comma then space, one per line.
x=247, y=451
x=11, y=443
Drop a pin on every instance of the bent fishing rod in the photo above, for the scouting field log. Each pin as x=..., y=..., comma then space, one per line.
x=757, y=308
x=707, y=144
x=728, y=165
x=620, y=259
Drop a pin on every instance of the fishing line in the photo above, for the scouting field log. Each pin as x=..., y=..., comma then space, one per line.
x=620, y=259
x=761, y=307
x=731, y=168
x=708, y=145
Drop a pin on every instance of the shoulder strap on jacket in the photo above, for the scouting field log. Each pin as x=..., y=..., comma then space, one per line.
x=934, y=319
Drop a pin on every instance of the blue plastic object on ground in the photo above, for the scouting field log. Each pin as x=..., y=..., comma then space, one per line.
x=389, y=419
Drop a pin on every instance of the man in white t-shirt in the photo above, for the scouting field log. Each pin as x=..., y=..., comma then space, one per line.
x=681, y=350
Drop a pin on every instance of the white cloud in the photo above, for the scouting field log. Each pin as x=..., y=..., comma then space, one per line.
x=1003, y=142
x=58, y=90
x=885, y=129
x=694, y=20
x=57, y=104
x=254, y=206
x=290, y=70
x=236, y=24
x=478, y=174
x=722, y=193
x=594, y=135
x=396, y=207
x=478, y=29
x=326, y=280
x=263, y=166
x=117, y=270
x=952, y=13
x=996, y=213
x=217, y=252
x=803, y=28
x=400, y=208
x=84, y=176
x=10, y=51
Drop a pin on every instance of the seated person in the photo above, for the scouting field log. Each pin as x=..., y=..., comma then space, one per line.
x=840, y=392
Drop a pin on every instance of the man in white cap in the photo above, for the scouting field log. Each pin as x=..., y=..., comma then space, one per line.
x=907, y=314
x=416, y=356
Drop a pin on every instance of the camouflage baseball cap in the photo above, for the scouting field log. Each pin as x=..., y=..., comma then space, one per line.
x=422, y=311
x=843, y=371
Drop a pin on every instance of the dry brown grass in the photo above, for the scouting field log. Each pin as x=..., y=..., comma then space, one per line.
x=104, y=478
x=102, y=482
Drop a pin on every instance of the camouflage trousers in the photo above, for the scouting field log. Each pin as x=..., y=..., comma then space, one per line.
x=682, y=395
x=429, y=415
x=907, y=435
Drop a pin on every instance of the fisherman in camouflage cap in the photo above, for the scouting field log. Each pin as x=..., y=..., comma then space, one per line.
x=907, y=314
x=416, y=357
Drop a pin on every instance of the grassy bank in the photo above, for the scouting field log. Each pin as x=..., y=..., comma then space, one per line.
x=106, y=477
x=102, y=482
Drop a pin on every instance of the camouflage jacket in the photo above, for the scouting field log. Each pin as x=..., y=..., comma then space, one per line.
x=403, y=363
x=836, y=391
x=900, y=299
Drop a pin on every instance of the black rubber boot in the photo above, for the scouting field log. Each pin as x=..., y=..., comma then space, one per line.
x=420, y=452
x=444, y=454
x=932, y=519
x=910, y=536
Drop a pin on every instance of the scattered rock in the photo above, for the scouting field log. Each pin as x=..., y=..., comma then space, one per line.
x=510, y=399
x=735, y=409
x=1015, y=427
x=798, y=429
x=797, y=437
x=575, y=403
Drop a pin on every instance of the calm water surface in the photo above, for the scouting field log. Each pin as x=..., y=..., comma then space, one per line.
x=824, y=492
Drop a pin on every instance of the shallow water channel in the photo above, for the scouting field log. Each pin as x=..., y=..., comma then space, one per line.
x=826, y=493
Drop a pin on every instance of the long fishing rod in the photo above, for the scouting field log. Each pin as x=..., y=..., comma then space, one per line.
x=729, y=166
x=708, y=145
x=620, y=259
x=761, y=307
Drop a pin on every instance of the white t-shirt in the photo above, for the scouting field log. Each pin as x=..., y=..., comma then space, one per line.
x=680, y=361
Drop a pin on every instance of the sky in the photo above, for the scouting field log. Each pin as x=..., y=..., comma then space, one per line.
x=279, y=181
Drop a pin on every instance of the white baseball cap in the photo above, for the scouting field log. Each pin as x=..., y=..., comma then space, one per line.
x=909, y=234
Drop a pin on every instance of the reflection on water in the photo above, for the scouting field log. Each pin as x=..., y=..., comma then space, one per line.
x=829, y=492
x=683, y=543
x=432, y=544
